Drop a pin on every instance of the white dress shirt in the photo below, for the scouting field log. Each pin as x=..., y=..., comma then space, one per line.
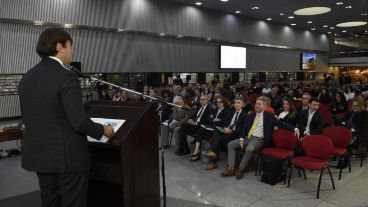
x=283, y=114
x=57, y=59
x=201, y=110
x=310, y=116
x=233, y=119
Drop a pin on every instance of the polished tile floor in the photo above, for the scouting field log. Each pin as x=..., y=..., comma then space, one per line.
x=189, y=181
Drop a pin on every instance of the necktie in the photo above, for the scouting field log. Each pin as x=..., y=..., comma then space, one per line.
x=254, y=126
x=235, y=120
x=199, y=114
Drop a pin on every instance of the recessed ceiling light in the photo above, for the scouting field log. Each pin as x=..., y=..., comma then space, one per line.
x=198, y=3
x=281, y=14
x=312, y=11
x=328, y=32
x=339, y=3
x=224, y=0
x=343, y=31
x=313, y=29
x=309, y=22
x=255, y=8
x=237, y=12
x=325, y=25
x=291, y=17
x=332, y=27
x=366, y=31
x=348, y=7
x=351, y=24
x=269, y=19
x=364, y=14
x=293, y=24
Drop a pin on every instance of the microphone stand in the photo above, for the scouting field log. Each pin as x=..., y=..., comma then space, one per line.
x=80, y=74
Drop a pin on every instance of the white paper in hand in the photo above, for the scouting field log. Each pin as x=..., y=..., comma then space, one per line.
x=115, y=123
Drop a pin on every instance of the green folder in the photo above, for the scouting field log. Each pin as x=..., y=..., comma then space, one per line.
x=221, y=129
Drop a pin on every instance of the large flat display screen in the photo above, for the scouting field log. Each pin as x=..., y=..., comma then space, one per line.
x=233, y=57
x=308, y=61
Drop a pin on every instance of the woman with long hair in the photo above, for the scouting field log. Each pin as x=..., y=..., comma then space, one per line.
x=288, y=113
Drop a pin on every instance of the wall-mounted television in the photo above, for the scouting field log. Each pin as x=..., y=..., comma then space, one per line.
x=233, y=57
x=308, y=61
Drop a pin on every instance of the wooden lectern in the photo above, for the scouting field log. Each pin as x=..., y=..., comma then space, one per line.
x=125, y=172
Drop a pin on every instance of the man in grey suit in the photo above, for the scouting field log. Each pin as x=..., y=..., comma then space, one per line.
x=56, y=124
x=178, y=117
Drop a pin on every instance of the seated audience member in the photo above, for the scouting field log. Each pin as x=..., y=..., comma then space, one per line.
x=357, y=121
x=117, y=95
x=305, y=102
x=339, y=104
x=311, y=120
x=124, y=97
x=202, y=116
x=104, y=96
x=255, y=134
x=349, y=93
x=276, y=101
x=178, y=117
x=288, y=114
x=165, y=108
x=195, y=101
x=269, y=108
x=217, y=119
x=232, y=128
x=325, y=96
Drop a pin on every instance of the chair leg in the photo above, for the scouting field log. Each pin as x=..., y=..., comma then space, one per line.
x=257, y=164
x=332, y=180
x=319, y=183
x=171, y=136
x=260, y=165
x=300, y=175
x=305, y=176
x=285, y=172
x=341, y=165
x=291, y=171
x=348, y=157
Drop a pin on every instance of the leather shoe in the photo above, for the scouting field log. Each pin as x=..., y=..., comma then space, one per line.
x=211, y=166
x=228, y=173
x=239, y=174
x=195, y=158
x=211, y=155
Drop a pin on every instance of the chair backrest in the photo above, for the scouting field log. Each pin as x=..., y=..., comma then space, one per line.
x=318, y=146
x=327, y=115
x=284, y=139
x=340, y=136
x=253, y=97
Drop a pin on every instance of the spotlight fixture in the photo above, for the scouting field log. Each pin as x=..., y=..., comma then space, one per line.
x=339, y=3
x=328, y=32
x=198, y=3
x=293, y=24
x=224, y=0
x=325, y=26
x=309, y=22
x=348, y=7
x=269, y=19
x=281, y=14
x=291, y=17
x=237, y=12
x=332, y=27
x=343, y=31
x=313, y=29
x=255, y=8
x=364, y=14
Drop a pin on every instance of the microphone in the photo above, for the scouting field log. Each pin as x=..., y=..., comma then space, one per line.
x=79, y=74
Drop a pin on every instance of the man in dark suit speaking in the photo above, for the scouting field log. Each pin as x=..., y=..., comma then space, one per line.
x=56, y=124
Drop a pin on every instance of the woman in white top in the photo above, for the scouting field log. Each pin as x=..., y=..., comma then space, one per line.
x=288, y=113
x=349, y=94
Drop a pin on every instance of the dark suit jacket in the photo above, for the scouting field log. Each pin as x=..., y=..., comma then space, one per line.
x=206, y=116
x=240, y=122
x=316, y=125
x=269, y=121
x=221, y=116
x=56, y=123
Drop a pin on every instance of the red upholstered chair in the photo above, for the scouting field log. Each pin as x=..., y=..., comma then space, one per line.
x=253, y=97
x=318, y=149
x=341, y=138
x=285, y=142
x=327, y=115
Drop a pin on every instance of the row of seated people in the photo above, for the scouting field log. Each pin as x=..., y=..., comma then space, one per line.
x=247, y=130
